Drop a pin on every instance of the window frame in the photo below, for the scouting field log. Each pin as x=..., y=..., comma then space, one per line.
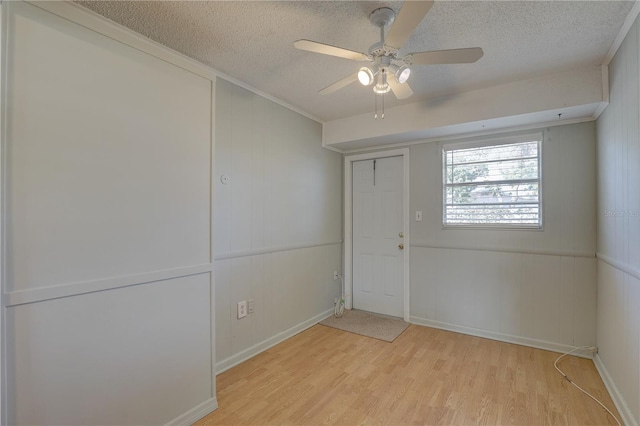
x=491, y=142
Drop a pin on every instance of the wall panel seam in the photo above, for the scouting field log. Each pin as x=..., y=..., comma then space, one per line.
x=41, y=294
x=248, y=253
x=543, y=252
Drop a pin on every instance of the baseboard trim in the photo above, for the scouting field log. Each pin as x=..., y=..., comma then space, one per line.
x=508, y=338
x=619, y=401
x=195, y=414
x=254, y=350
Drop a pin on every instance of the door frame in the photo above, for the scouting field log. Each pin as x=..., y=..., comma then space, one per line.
x=348, y=221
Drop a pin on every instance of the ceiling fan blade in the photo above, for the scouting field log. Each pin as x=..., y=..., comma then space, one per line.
x=327, y=49
x=453, y=56
x=339, y=84
x=410, y=15
x=402, y=91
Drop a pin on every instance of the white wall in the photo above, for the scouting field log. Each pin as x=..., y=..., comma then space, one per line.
x=278, y=222
x=107, y=250
x=618, y=326
x=531, y=287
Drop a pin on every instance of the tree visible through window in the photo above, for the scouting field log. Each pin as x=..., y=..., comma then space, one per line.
x=492, y=185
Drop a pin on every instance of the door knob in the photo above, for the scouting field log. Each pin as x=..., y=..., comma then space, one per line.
x=401, y=246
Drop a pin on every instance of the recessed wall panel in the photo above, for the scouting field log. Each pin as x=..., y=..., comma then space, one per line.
x=111, y=357
x=107, y=186
x=108, y=157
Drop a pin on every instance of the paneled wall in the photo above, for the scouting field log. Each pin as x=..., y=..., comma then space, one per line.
x=618, y=329
x=107, y=210
x=536, y=287
x=278, y=223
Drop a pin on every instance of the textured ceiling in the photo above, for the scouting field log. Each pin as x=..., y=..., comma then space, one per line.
x=252, y=41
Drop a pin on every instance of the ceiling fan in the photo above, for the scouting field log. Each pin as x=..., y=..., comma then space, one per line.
x=388, y=71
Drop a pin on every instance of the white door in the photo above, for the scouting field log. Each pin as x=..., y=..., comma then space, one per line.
x=378, y=255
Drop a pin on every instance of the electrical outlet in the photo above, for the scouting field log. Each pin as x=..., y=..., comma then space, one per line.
x=242, y=309
x=251, y=304
x=335, y=275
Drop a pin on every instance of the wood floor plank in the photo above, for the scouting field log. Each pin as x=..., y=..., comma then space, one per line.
x=426, y=376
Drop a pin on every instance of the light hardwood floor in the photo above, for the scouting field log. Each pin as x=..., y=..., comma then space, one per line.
x=426, y=376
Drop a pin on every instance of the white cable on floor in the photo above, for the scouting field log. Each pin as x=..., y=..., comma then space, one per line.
x=339, y=307
x=555, y=364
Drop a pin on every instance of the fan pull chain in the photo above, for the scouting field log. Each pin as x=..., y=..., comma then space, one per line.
x=375, y=103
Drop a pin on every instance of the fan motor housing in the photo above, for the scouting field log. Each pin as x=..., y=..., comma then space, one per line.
x=377, y=49
x=382, y=17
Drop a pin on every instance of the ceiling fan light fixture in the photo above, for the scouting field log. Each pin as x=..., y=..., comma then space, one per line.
x=365, y=76
x=381, y=88
x=385, y=61
x=402, y=74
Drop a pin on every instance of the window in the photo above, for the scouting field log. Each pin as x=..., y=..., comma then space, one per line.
x=493, y=184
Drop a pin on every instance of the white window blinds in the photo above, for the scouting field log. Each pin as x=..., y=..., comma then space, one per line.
x=493, y=185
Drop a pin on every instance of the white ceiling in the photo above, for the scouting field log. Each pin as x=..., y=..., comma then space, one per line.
x=253, y=42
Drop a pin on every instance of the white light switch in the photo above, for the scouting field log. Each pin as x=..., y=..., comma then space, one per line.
x=418, y=216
